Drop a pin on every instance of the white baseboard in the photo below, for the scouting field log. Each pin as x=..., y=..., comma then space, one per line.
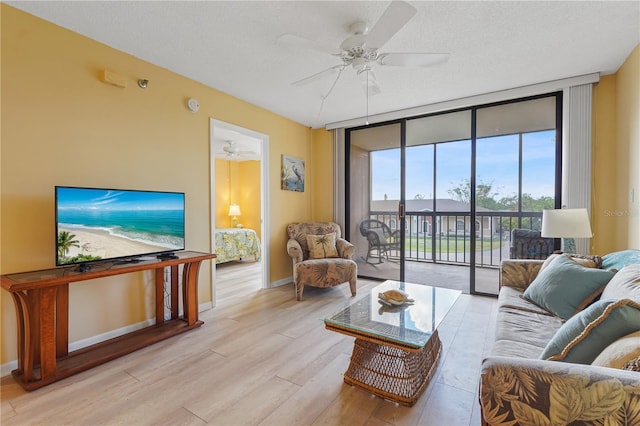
x=283, y=281
x=205, y=306
x=7, y=368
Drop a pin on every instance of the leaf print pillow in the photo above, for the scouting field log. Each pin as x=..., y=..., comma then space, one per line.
x=322, y=246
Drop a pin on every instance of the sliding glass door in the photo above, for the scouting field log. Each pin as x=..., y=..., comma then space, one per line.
x=375, y=195
x=438, y=166
x=433, y=200
x=516, y=176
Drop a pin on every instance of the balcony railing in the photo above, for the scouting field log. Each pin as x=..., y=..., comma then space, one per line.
x=446, y=236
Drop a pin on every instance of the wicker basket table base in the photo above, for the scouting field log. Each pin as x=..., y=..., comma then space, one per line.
x=393, y=373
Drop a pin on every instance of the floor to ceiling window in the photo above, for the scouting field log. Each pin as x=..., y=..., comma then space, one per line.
x=444, y=191
x=375, y=190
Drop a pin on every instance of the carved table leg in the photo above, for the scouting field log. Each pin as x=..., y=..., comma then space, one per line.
x=47, y=332
x=190, y=291
x=62, y=321
x=159, y=295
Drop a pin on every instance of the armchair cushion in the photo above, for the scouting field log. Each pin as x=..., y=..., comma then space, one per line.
x=565, y=287
x=299, y=232
x=322, y=246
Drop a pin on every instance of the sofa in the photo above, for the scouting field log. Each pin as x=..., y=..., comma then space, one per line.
x=567, y=343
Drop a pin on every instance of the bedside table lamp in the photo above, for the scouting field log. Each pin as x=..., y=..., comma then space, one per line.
x=566, y=224
x=234, y=211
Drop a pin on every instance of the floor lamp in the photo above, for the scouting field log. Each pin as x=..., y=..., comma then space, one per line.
x=566, y=224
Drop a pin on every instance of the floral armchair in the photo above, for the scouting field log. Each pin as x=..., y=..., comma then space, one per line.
x=321, y=258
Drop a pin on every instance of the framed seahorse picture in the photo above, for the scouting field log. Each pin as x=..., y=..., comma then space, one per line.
x=292, y=174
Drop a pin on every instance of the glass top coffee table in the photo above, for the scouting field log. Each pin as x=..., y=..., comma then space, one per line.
x=396, y=348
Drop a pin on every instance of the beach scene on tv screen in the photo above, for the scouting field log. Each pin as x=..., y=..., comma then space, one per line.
x=95, y=224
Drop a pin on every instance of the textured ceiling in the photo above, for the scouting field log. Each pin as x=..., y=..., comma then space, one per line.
x=234, y=47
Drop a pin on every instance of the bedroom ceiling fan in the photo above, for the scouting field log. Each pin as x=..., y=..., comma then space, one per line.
x=232, y=150
x=361, y=50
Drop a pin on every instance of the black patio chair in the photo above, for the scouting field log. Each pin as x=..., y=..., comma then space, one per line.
x=380, y=237
x=528, y=244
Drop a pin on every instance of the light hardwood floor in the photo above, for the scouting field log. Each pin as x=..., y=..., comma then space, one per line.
x=260, y=358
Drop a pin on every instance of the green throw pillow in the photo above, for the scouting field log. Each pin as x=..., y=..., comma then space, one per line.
x=565, y=287
x=581, y=339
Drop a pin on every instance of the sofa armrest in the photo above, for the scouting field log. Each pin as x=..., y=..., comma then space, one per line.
x=519, y=273
x=294, y=249
x=345, y=248
x=530, y=391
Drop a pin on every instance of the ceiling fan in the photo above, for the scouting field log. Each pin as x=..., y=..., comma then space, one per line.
x=233, y=151
x=361, y=49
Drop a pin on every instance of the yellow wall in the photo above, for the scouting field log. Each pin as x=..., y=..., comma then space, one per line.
x=238, y=182
x=628, y=124
x=616, y=159
x=246, y=193
x=62, y=126
x=323, y=175
x=223, y=193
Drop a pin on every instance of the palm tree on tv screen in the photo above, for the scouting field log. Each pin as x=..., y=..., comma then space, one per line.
x=65, y=242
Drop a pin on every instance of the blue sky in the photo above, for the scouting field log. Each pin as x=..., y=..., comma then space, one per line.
x=497, y=163
x=88, y=198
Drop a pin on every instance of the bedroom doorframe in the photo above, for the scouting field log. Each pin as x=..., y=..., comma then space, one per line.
x=264, y=197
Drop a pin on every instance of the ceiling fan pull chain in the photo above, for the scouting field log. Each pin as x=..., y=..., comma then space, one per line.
x=330, y=90
x=366, y=121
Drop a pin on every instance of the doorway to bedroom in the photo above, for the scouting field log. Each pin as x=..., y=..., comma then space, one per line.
x=238, y=209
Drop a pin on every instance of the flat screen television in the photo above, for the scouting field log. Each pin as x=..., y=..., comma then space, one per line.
x=94, y=224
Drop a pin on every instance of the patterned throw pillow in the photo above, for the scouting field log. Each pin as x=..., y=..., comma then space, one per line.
x=632, y=365
x=588, y=261
x=322, y=246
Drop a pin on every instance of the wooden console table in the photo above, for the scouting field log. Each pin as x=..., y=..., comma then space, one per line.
x=41, y=299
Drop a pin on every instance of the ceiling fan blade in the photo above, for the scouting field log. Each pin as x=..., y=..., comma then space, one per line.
x=296, y=40
x=412, y=59
x=394, y=17
x=317, y=76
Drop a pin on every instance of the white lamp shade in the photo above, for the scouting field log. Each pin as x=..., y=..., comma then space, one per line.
x=234, y=210
x=566, y=223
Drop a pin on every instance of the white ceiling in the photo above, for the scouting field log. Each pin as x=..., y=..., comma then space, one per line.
x=233, y=46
